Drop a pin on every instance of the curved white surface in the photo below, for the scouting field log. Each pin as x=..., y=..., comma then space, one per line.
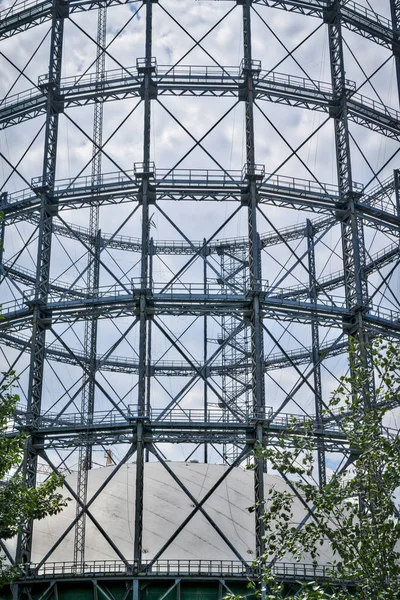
x=165, y=508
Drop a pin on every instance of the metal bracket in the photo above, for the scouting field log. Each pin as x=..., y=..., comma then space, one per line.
x=60, y=9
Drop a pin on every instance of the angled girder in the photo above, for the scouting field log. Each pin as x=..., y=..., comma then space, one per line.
x=253, y=304
x=356, y=17
x=126, y=364
x=29, y=13
x=327, y=282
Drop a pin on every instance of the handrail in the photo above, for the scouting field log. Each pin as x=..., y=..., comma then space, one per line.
x=167, y=177
x=158, y=417
x=186, y=291
x=176, y=416
x=217, y=365
x=172, y=567
x=203, y=75
x=20, y=6
x=189, y=290
x=352, y=12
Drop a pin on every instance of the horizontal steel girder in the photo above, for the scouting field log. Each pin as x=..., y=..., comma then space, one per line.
x=175, y=426
x=190, y=299
x=195, y=570
x=125, y=364
x=355, y=17
x=24, y=15
x=203, y=81
x=327, y=282
x=376, y=198
x=178, y=426
x=205, y=185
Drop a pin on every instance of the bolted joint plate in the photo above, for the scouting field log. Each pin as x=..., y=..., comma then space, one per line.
x=57, y=105
x=152, y=90
x=353, y=322
x=330, y=15
x=336, y=110
x=246, y=197
x=52, y=208
x=45, y=322
x=151, y=195
x=60, y=9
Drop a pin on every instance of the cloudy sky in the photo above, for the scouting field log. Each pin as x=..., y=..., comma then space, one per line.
x=279, y=129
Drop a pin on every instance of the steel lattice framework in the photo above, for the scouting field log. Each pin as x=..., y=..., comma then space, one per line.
x=213, y=339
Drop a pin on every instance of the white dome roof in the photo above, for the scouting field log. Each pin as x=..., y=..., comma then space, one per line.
x=165, y=508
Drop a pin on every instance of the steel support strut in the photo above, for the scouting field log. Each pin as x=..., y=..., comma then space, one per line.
x=315, y=350
x=93, y=277
x=235, y=386
x=395, y=14
x=205, y=341
x=144, y=348
x=2, y=234
x=353, y=247
x=257, y=345
x=396, y=176
x=41, y=318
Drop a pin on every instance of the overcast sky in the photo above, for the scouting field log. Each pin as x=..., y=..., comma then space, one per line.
x=274, y=33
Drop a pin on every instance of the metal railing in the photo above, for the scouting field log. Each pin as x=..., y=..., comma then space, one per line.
x=173, y=568
x=21, y=6
x=115, y=418
x=187, y=291
x=375, y=106
x=32, y=94
x=185, y=177
x=205, y=75
x=177, y=416
x=363, y=11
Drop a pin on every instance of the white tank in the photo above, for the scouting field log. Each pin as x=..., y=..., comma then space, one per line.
x=166, y=506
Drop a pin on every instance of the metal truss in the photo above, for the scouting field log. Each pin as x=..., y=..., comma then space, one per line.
x=204, y=81
x=136, y=336
x=85, y=458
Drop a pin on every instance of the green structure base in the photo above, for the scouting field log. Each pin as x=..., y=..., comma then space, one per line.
x=96, y=589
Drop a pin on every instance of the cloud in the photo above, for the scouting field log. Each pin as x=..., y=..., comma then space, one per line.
x=169, y=143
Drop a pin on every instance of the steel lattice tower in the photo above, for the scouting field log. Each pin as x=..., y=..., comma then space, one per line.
x=154, y=298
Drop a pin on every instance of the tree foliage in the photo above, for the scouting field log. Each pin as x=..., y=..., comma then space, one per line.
x=19, y=503
x=355, y=513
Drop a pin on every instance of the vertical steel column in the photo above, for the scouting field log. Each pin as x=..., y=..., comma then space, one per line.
x=315, y=350
x=205, y=334
x=395, y=13
x=149, y=366
x=257, y=343
x=48, y=208
x=88, y=392
x=2, y=236
x=396, y=176
x=356, y=284
x=3, y=201
x=235, y=383
x=147, y=94
x=93, y=276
